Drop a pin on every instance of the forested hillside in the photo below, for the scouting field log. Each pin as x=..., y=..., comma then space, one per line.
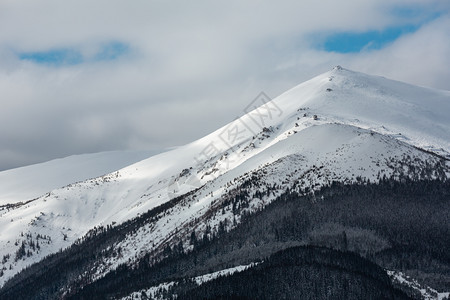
x=392, y=225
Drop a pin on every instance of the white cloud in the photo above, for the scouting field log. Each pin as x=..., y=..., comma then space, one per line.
x=420, y=58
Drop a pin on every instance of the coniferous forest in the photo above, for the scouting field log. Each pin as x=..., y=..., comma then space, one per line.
x=336, y=243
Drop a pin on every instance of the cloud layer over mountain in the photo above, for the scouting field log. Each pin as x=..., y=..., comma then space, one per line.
x=83, y=76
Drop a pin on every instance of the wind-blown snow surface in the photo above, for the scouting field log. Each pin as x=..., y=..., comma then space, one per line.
x=340, y=126
x=30, y=182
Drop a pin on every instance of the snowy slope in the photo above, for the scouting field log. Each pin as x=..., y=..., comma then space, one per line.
x=309, y=159
x=32, y=181
x=341, y=125
x=421, y=115
x=152, y=293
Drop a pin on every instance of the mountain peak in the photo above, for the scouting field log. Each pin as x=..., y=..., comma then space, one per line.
x=338, y=126
x=376, y=103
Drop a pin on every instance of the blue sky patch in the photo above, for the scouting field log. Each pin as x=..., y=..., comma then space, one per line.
x=73, y=56
x=351, y=42
x=54, y=57
x=412, y=17
x=111, y=51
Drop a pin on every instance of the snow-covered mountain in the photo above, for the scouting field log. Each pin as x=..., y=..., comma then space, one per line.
x=341, y=126
x=29, y=182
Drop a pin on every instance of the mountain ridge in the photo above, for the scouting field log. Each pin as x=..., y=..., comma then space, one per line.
x=303, y=140
x=29, y=182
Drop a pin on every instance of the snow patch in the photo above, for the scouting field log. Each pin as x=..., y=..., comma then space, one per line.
x=426, y=292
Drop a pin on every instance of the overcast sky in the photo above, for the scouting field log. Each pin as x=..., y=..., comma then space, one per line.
x=80, y=76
